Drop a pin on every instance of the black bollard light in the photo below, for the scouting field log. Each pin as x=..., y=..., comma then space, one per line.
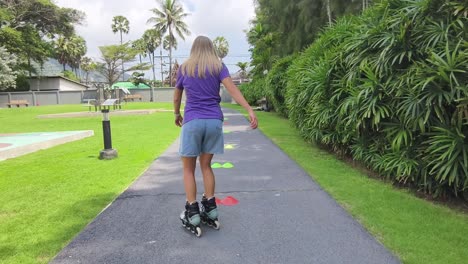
x=108, y=152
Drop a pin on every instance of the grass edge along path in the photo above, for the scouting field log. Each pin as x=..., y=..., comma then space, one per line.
x=48, y=197
x=415, y=230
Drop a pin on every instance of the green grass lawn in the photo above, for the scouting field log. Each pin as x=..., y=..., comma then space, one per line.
x=48, y=196
x=415, y=230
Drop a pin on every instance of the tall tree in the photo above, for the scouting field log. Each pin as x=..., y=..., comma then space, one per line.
x=152, y=40
x=242, y=70
x=140, y=47
x=222, y=46
x=88, y=65
x=79, y=51
x=70, y=50
x=27, y=27
x=113, y=56
x=43, y=15
x=168, y=18
x=7, y=69
x=294, y=24
x=122, y=25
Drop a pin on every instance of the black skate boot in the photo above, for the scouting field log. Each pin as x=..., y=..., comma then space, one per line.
x=209, y=212
x=191, y=218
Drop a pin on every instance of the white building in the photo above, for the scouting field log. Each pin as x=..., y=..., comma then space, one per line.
x=55, y=83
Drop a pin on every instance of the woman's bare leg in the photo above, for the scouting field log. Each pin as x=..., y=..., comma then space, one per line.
x=208, y=175
x=189, y=164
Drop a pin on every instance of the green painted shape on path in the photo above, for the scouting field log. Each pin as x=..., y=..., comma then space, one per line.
x=216, y=165
x=227, y=165
x=226, y=131
x=229, y=146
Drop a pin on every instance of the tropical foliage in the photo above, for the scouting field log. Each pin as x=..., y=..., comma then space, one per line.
x=70, y=50
x=7, y=69
x=222, y=46
x=151, y=41
x=122, y=25
x=169, y=19
x=285, y=27
x=28, y=28
x=88, y=65
x=276, y=82
x=253, y=91
x=390, y=89
x=113, y=56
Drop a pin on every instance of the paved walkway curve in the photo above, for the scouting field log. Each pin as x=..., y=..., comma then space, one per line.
x=282, y=216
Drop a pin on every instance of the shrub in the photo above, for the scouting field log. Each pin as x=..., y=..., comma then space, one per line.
x=390, y=88
x=275, y=84
x=253, y=91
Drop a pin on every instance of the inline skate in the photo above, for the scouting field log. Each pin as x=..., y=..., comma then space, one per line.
x=209, y=212
x=191, y=218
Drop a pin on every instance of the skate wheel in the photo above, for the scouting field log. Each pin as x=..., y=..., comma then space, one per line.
x=198, y=232
x=216, y=225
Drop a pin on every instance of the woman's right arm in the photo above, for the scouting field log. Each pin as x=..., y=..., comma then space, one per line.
x=239, y=98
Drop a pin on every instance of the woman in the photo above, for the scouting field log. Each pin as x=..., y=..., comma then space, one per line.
x=202, y=136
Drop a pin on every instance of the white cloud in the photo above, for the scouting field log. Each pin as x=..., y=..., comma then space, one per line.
x=212, y=18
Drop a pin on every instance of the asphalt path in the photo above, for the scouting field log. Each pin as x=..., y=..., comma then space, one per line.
x=282, y=215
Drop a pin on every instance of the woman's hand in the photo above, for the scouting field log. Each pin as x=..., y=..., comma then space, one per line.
x=178, y=120
x=253, y=119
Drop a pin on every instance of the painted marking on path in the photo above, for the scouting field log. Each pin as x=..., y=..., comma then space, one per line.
x=230, y=146
x=226, y=165
x=228, y=201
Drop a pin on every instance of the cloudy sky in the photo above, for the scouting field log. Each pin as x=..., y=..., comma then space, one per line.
x=212, y=18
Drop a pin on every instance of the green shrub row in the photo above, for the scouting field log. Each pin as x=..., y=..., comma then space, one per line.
x=253, y=91
x=389, y=88
x=275, y=84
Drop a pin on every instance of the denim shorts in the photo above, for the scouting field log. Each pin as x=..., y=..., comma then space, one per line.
x=201, y=136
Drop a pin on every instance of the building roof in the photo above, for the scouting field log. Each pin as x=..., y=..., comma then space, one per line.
x=73, y=81
x=130, y=85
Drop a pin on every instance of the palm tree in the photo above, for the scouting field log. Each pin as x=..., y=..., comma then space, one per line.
x=70, y=50
x=122, y=25
x=152, y=40
x=79, y=51
x=242, y=69
x=140, y=46
x=62, y=47
x=168, y=43
x=168, y=18
x=88, y=65
x=222, y=47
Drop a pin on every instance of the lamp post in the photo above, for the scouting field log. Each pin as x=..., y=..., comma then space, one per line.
x=108, y=152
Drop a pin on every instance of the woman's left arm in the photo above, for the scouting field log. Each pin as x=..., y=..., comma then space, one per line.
x=177, y=102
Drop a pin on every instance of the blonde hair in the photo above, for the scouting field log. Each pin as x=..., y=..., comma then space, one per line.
x=202, y=56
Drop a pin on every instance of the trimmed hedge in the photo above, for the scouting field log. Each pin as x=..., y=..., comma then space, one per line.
x=276, y=82
x=390, y=88
x=253, y=91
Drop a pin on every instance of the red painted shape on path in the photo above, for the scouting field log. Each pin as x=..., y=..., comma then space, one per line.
x=228, y=201
x=4, y=145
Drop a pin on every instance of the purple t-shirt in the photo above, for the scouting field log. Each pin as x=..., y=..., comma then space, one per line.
x=202, y=94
